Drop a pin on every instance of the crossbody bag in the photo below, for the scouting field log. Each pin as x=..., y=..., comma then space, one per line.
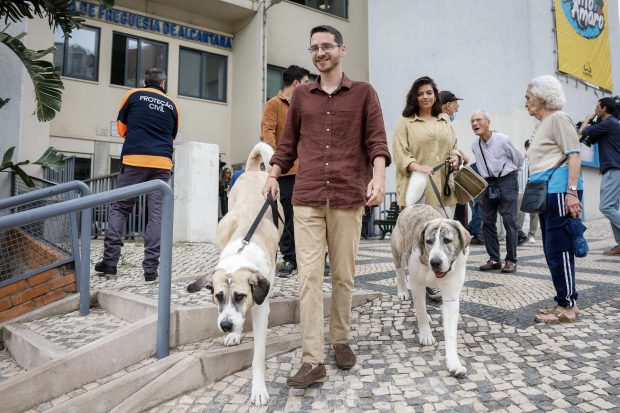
x=535, y=194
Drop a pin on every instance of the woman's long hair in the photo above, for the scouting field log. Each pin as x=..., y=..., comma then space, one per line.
x=412, y=107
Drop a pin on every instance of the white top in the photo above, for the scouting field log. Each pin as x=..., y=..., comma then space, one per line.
x=500, y=153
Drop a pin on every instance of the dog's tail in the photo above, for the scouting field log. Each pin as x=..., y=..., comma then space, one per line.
x=261, y=153
x=416, y=187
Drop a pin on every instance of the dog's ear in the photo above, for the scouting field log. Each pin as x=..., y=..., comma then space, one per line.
x=464, y=235
x=205, y=281
x=260, y=287
x=422, y=243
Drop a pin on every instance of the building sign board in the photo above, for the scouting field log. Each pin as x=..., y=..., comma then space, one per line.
x=151, y=24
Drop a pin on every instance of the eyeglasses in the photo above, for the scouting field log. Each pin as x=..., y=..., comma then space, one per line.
x=326, y=47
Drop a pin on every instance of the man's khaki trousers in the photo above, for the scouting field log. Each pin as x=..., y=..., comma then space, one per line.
x=315, y=229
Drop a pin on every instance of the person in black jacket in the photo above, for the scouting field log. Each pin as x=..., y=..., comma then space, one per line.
x=148, y=120
x=606, y=132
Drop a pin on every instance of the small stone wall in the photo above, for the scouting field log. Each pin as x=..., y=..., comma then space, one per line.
x=38, y=290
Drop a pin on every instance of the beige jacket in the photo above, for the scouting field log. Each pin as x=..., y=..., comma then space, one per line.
x=273, y=122
x=415, y=141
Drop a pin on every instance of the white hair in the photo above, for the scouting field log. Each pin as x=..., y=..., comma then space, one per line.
x=548, y=89
x=484, y=112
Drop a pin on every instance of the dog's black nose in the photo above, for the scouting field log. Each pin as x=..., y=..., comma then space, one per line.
x=435, y=263
x=226, y=326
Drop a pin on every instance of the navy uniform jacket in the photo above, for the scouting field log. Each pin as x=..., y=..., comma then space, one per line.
x=148, y=120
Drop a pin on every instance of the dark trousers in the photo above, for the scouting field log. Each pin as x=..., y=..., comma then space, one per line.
x=558, y=248
x=506, y=205
x=120, y=210
x=287, y=241
x=475, y=224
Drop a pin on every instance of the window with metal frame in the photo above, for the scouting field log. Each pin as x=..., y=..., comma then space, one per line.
x=338, y=8
x=132, y=56
x=202, y=75
x=78, y=56
x=275, y=82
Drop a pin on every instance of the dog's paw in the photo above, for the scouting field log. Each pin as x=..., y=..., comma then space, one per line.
x=426, y=336
x=456, y=369
x=260, y=395
x=232, y=339
x=403, y=294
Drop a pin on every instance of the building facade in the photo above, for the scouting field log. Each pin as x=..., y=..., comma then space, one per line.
x=223, y=59
x=484, y=51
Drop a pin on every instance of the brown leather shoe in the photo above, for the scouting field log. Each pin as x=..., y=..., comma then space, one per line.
x=614, y=251
x=345, y=357
x=491, y=265
x=306, y=376
x=509, y=266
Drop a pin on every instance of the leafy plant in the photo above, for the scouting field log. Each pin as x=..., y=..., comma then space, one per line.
x=51, y=158
x=47, y=84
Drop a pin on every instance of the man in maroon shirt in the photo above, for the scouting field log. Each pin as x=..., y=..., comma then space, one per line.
x=335, y=128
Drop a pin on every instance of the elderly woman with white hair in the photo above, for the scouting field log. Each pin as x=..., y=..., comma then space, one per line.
x=554, y=141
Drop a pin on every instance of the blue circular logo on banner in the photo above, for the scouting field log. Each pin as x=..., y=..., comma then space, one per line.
x=585, y=16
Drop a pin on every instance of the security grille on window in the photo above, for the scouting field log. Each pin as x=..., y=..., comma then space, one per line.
x=336, y=7
x=77, y=56
x=202, y=75
x=131, y=56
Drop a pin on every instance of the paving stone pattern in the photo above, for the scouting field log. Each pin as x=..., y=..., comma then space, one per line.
x=514, y=364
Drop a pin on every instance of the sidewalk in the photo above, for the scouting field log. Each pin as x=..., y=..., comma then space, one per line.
x=514, y=364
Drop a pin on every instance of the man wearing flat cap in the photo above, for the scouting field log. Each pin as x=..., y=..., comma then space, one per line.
x=449, y=103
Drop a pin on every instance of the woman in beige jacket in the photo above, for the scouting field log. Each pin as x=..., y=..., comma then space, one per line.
x=423, y=139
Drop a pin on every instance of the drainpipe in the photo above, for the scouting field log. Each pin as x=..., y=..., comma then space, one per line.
x=264, y=46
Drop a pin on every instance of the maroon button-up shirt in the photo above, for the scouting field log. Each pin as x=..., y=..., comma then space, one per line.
x=336, y=137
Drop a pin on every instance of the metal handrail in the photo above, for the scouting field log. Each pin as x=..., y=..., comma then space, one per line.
x=84, y=204
x=58, y=189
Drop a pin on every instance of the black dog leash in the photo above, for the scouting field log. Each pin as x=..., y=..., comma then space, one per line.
x=436, y=190
x=269, y=202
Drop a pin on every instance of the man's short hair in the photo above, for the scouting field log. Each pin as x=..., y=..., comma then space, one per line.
x=608, y=104
x=293, y=73
x=154, y=75
x=446, y=97
x=328, y=29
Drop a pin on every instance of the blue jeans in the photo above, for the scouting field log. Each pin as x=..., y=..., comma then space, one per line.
x=475, y=225
x=610, y=200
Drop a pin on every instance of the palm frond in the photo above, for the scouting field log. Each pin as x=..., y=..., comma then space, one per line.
x=4, y=101
x=51, y=158
x=47, y=84
x=58, y=12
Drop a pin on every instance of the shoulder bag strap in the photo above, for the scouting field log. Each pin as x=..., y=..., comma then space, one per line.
x=556, y=167
x=484, y=158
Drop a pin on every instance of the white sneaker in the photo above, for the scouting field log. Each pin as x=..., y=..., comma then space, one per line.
x=531, y=239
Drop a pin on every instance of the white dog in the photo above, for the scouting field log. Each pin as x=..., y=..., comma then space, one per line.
x=245, y=274
x=435, y=251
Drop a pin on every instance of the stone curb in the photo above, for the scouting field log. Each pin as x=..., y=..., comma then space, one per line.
x=28, y=348
x=84, y=365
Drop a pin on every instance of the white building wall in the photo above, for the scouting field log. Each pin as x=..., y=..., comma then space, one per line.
x=484, y=51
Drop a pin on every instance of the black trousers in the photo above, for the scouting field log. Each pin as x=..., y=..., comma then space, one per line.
x=287, y=241
x=507, y=206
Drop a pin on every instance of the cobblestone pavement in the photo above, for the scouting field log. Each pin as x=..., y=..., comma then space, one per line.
x=514, y=364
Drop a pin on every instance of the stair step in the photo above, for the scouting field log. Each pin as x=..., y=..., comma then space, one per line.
x=8, y=366
x=72, y=331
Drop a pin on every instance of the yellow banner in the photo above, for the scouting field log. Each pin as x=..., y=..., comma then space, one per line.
x=583, y=40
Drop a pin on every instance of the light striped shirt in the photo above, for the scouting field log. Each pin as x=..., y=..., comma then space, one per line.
x=500, y=155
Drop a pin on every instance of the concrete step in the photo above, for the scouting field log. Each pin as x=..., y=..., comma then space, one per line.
x=59, y=365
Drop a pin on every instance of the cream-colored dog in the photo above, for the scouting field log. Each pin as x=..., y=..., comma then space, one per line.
x=245, y=274
x=435, y=251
